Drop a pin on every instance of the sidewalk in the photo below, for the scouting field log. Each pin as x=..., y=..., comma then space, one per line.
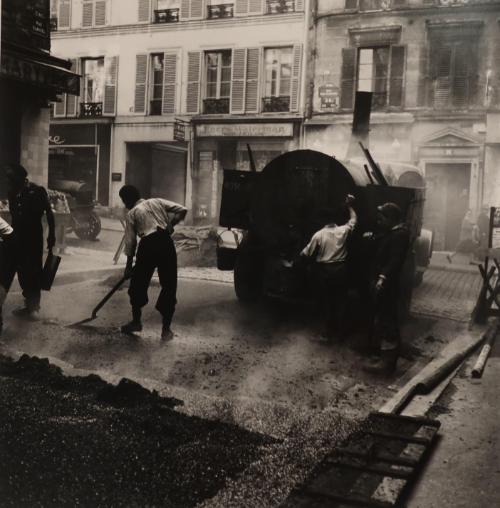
x=464, y=469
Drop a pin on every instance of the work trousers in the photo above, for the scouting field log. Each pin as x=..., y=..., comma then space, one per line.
x=386, y=335
x=155, y=251
x=331, y=281
x=23, y=255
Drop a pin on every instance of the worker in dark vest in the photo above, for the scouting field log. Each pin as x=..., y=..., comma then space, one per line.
x=28, y=203
x=7, y=256
x=390, y=251
x=152, y=220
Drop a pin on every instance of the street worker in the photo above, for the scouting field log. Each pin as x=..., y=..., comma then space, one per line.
x=28, y=203
x=152, y=220
x=6, y=260
x=390, y=250
x=328, y=249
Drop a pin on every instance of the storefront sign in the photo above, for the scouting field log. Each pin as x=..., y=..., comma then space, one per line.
x=40, y=74
x=329, y=96
x=56, y=140
x=179, y=130
x=116, y=177
x=242, y=130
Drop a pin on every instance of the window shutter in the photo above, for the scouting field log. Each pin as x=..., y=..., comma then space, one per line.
x=295, y=87
x=348, y=78
x=252, y=80
x=64, y=14
x=110, y=85
x=169, y=83
x=238, y=75
x=185, y=12
x=60, y=106
x=397, y=72
x=193, y=82
x=144, y=12
x=72, y=100
x=351, y=4
x=192, y=9
x=256, y=6
x=442, y=75
x=88, y=13
x=241, y=7
x=423, y=81
x=100, y=13
x=53, y=8
x=299, y=5
x=141, y=75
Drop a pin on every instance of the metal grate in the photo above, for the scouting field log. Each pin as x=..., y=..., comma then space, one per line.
x=374, y=467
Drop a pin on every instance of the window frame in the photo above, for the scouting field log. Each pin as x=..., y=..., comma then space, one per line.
x=279, y=78
x=218, y=81
x=151, y=84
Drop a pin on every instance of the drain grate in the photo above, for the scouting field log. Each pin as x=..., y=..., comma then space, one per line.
x=374, y=467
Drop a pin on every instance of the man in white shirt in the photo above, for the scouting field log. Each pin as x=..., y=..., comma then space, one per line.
x=328, y=249
x=6, y=258
x=152, y=220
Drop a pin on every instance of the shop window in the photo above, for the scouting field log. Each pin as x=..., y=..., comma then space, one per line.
x=379, y=70
x=453, y=81
x=166, y=11
x=218, y=10
x=278, y=77
x=93, y=87
x=218, y=82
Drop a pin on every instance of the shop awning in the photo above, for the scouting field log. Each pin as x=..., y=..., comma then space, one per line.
x=39, y=69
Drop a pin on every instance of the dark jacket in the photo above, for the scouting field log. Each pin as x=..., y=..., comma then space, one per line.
x=390, y=253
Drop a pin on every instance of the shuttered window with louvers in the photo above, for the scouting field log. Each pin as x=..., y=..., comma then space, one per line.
x=169, y=83
x=245, y=7
x=100, y=13
x=88, y=13
x=348, y=78
x=72, y=101
x=110, y=85
x=144, y=11
x=397, y=73
x=64, y=14
x=296, y=68
x=192, y=9
x=141, y=74
x=193, y=82
x=238, y=76
x=94, y=13
x=252, y=80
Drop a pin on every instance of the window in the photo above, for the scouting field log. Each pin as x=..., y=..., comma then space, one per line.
x=278, y=76
x=218, y=81
x=374, y=5
x=93, y=87
x=94, y=13
x=379, y=70
x=60, y=14
x=219, y=9
x=280, y=6
x=453, y=73
x=166, y=11
x=156, y=80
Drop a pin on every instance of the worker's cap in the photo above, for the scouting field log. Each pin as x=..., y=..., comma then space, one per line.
x=15, y=170
x=390, y=211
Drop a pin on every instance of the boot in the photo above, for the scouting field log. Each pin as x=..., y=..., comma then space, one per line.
x=385, y=365
x=166, y=333
x=136, y=324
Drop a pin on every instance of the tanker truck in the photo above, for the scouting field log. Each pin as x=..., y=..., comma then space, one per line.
x=271, y=215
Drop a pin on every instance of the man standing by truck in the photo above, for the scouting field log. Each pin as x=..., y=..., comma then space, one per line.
x=328, y=249
x=152, y=220
x=390, y=249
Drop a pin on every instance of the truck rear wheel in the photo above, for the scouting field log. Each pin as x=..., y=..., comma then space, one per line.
x=247, y=278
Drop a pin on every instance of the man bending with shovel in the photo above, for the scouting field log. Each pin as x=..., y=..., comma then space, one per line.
x=152, y=220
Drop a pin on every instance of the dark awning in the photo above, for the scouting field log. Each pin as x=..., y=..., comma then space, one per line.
x=39, y=69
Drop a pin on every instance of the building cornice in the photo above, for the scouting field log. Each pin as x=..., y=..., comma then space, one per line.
x=413, y=9
x=150, y=28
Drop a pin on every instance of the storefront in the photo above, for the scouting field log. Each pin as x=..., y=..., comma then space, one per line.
x=81, y=152
x=220, y=146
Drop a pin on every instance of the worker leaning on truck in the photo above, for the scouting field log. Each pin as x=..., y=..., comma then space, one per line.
x=6, y=260
x=328, y=249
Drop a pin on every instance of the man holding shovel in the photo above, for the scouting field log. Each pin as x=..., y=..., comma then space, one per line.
x=152, y=220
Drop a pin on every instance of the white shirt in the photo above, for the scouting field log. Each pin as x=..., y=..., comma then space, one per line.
x=146, y=217
x=328, y=245
x=5, y=228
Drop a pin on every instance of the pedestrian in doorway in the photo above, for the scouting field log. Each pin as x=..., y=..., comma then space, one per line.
x=390, y=250
x=28, y=203
x=328, y=249
x=7, y=256
x=152, y=220
x=467, y=243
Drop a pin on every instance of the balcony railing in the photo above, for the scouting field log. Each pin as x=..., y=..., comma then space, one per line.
x=215, y=106
x=280, y=6
x=377, y=5
x=90, y=109
x=53, y=24
x=220, y=11
x=167, y=16
x=276, y=104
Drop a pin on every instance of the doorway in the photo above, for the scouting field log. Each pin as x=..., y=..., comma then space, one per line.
x=447, y=201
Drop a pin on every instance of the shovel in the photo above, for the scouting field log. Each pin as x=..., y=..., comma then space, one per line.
x=100, y=305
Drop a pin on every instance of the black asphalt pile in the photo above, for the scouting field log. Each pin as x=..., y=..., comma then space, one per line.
x=77, y=441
